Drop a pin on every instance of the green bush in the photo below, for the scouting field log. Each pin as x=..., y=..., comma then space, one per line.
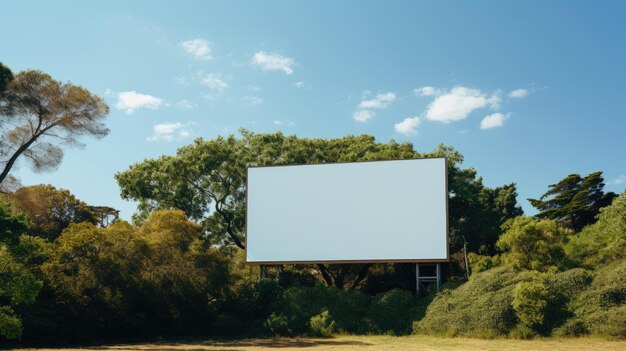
x=277, y=325
x=482, y=307
x=481, y=263
x=605, y=241
x=322, y=325
x=569, y=284
x=530, y=301
x=393, y=311
x=532, y=244
x=601, y=308
x=349, y=310
x=298, y=304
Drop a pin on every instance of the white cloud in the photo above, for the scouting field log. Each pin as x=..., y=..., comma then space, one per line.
x=363, y=115
x=273, y=62
x=169, y=132
x=254, y=88
x=298, y=84
x=408, y=126
x=426, y=91
x=129, y=101
x=518, y=93
x=494, y=120
x=198, y=48
x=618, y=180
x=458, y=103
x=186, y=104
x=288, y=123
x=213, y=82
x=180, y=80
x=253, y=100
x=379, y=102
x=108, y=92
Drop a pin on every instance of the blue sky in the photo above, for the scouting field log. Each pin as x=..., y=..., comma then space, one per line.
x=528, y=91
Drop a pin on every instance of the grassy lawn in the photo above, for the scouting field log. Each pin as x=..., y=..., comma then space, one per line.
x=414, y=342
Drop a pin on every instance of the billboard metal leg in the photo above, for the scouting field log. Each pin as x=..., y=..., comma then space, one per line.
x=438, y=276
x=417, y=279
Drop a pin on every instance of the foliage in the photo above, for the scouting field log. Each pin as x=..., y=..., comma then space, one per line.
x=605, y=241
x=156, y=278
x=481, y=307
x=18, y=285
x=574, y=201
x=322, y=325
x=6, y=76
x=481, y=263
x=530, y=301
x=318, y=309
x=206, y=180
x=39, y=115
x=600, y=309
x=392, y=312
x=49, y=209
x=12, y=225
x=532, y=244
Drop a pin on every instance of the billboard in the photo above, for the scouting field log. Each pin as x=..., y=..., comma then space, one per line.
x=378, y=211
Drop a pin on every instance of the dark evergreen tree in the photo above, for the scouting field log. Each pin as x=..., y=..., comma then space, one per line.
x=574, y=201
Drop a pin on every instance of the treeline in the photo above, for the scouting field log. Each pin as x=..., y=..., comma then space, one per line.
x=74, y=272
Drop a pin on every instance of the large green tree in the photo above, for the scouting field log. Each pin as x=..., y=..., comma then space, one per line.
x=18, y=285
x=574, y=201
x=40, y=115
x=206, y=180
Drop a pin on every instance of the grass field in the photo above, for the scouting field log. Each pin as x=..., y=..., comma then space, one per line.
x=415, y=342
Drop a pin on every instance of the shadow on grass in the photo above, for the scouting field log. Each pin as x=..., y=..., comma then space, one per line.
x=266, y=343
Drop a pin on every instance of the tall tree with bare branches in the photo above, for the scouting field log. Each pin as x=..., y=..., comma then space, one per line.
x=39, y=116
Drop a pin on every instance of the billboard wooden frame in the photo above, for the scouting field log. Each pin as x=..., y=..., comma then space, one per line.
x=447, y=194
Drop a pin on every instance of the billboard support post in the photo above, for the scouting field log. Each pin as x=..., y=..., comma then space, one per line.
x=419, y=279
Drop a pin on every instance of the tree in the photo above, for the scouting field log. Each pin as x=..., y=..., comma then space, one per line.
x=574, y=201
x=206, y=180
x=532, y=244
x=17, y=284
x=603, y=242
x=124, y=280
x=5, y=77
x=39, y=115
x=51, y=210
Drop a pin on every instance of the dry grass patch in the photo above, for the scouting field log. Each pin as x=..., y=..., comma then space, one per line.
x=364, y=343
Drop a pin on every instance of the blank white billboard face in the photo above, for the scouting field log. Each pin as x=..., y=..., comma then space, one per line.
x=348, y=212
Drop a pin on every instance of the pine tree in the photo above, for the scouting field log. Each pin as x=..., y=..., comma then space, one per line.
x=574, y=201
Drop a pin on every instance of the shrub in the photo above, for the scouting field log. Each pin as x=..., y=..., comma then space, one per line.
x=349, y=311
x=322, y=325
x=569, y=284
x=298, y=304
x=482, y=307
x=481, y=263
x=605, y=241
x=601, y=308
x=393, y=311
x=530, y=300
x=532, y=244
x=277, y=324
